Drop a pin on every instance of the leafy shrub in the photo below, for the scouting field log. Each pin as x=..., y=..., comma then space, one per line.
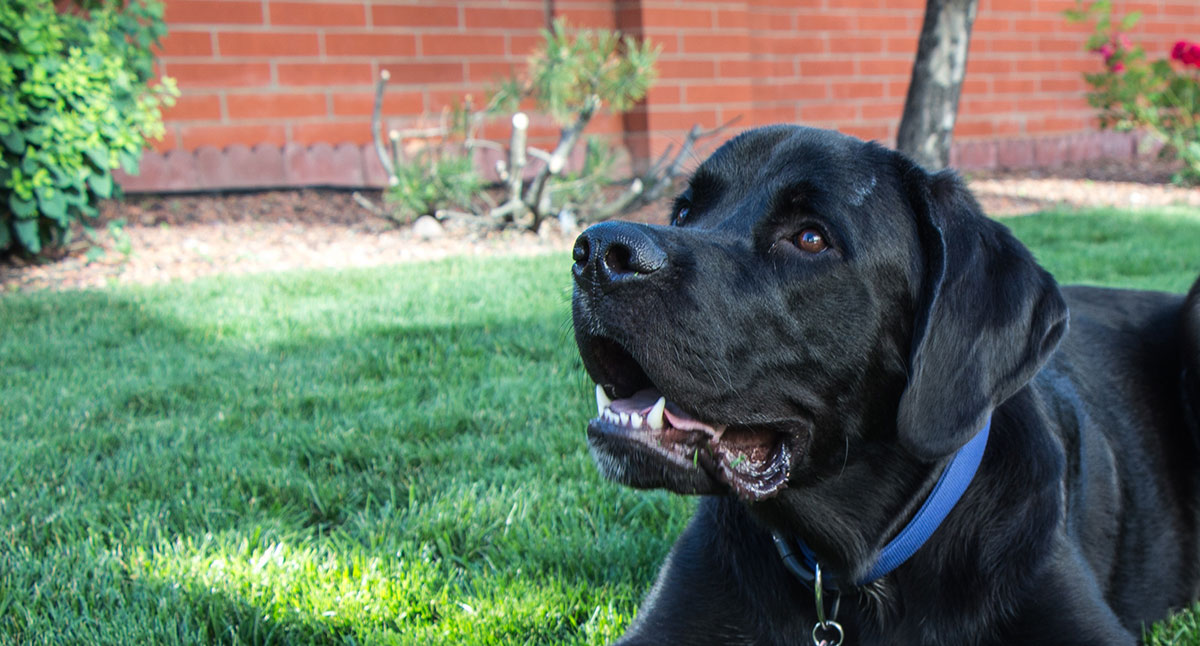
x=430, y=182
x=575, y=72
x=76, y=103
x=1160, y=96
x=431, y=169
x=571, y=76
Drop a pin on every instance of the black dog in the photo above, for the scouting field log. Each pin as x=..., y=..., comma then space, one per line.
x=828, y=340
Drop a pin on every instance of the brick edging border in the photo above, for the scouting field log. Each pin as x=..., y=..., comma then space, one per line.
x=1047, y=152
x=264, y=166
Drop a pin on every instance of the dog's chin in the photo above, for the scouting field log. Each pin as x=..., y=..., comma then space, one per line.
x=646, y=442
x=634, y=465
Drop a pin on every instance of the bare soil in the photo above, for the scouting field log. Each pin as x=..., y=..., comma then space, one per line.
x=183, y=237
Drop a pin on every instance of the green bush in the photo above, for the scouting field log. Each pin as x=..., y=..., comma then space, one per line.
x=571, y=76
x=432, y=181
x=77, y=102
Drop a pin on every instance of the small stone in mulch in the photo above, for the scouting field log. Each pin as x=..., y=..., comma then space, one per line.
x=427, y=228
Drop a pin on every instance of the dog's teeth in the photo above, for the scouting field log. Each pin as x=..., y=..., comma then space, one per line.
x=609, y=415
x=655, y=417
x=635, y=420
x=625, y=419
x=602, y=400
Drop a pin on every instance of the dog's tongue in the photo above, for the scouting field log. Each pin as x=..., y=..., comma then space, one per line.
x=642, y=401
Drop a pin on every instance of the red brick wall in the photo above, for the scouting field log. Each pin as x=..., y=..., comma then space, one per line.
x=845, y=64
x=291, y=74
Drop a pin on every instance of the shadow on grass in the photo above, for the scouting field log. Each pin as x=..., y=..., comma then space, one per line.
x=136, y=424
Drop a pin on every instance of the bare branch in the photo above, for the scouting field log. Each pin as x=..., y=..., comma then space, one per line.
x=446, y=214
x=367, y=204
x=397, y=157
x=377, y=123
x=423, y=133
x=661, y=161
x=660, y=181
x=704, y=134
x=538, y=153
x=517, y=158
x=569, y=136
x=484, y=143
x=513, y=172
x=505, y=209
x=625, y=202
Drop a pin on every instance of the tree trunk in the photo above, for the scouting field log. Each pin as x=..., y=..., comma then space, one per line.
x=927, y=126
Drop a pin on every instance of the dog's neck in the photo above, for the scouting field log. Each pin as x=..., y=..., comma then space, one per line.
x=903, y=536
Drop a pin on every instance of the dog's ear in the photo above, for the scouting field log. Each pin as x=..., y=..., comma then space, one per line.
x=988, y=318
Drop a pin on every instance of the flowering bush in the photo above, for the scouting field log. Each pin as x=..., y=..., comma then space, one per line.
x=1161, y=97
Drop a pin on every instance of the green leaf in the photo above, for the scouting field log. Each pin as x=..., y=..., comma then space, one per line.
x=22, y=208
x=27, y=234
x=101, y=184
x=14, y=142
x=53, y=205
x=30, y=38
x=5, y=237
x=99, y=156
x=130, y=163
x=94, y=254
x=75, y=195
x=1129, y=21
x=37, y=137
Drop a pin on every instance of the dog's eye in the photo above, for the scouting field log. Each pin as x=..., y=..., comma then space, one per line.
x=681, y=214
x=811, y=241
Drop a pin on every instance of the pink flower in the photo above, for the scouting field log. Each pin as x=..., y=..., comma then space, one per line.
x=1178, y=50
x=1118, y=67
x=1123, y=41
x=1186, y=53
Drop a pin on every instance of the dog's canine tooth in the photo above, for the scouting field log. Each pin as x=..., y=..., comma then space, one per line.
x=602, y=400
x=655, y=417
x=635, y=420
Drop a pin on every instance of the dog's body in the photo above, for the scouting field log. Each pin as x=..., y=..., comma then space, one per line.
x=827, y=325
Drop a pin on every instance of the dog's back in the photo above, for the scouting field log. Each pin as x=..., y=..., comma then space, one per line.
x=1123, y=387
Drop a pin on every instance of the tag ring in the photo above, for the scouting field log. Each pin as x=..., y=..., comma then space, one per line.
x=835, y=627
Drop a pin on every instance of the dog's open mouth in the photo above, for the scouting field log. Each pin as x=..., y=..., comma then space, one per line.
x=753, y=461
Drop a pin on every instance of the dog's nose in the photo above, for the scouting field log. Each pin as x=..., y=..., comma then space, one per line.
x=612, y=251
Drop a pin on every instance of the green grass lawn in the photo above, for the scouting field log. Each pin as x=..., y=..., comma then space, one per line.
x=390, y=455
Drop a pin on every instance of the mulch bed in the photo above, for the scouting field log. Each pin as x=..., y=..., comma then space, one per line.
x=183, y=237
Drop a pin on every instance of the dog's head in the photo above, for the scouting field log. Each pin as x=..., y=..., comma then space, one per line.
x=814, y=296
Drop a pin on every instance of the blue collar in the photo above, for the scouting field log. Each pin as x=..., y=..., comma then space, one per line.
x=949, y=489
